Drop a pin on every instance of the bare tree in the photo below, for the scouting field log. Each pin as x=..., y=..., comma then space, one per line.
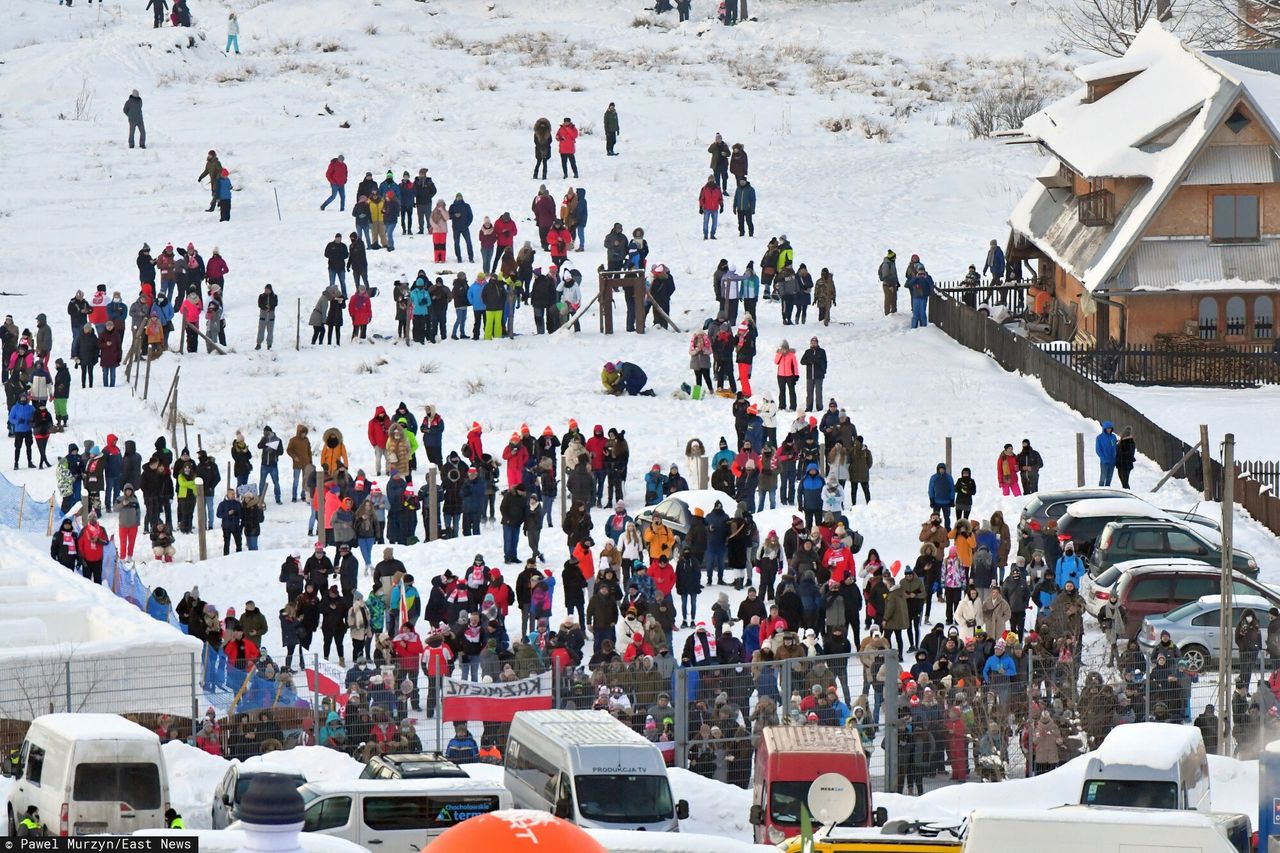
x=1256, y=22
x=1110, y=26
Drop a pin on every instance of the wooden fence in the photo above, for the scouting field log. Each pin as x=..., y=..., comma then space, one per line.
x=1064, y=384
x=1144, y=365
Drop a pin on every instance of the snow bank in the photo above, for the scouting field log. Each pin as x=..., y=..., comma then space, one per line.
x=118, y=658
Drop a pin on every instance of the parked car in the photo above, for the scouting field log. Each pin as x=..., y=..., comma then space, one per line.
x=1041, y=512
x=1156, y=538
x=1155, y=589
x=1194, y=627
x=424, y=765
x=1084, y=520
x=1098, y=590
x=227, y=796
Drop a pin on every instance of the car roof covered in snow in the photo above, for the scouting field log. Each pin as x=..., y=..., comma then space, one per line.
x=1158, y=745
x=95, y=726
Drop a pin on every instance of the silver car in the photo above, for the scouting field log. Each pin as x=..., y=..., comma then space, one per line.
x=1193, y=627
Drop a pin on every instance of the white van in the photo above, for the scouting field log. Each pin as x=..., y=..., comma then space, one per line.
x=1072, y=829
x=1149, y=765
x=396, y=816
x=591, y=769
x=89, y=774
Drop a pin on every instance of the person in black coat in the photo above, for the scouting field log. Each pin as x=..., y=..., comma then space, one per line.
x=1126, y=455
x=86, y=355
x=542, y=296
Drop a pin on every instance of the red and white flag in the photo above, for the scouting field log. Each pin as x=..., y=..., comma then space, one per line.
x=496, y=702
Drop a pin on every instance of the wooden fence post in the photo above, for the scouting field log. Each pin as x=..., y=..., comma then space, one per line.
x=700, y=471
x=1206, y=463
x=202, y=519
x=53, y=508
x=297, y=333
x=1080, y=459
x=947, y=451
x=22, y=505
x=564, y=486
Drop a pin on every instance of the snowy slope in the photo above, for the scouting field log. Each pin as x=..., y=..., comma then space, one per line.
x=455, y=87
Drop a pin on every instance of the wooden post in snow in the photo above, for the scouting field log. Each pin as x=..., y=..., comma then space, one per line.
x=1080, y=459
x=1206, y=463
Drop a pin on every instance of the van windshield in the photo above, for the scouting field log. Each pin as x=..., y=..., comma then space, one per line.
x=785, y=799
x=1131, y=793
x=624, y=798
x=138, y=784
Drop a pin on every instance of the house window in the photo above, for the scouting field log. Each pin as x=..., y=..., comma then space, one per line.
x=1235, y=219
x=1208, y=318
x=1263, y=322
x=1235, y=316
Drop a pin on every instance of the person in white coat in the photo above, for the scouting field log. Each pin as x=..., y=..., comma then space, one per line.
x=968, y=614
x=233, y=34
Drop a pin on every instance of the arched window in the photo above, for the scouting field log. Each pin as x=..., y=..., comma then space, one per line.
x=1208, y=318
x=1235, y=315
x=1263, y=318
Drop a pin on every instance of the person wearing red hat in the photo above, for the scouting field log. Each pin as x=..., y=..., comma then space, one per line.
x=516, y=456
x=224, y=196
x=474, y=448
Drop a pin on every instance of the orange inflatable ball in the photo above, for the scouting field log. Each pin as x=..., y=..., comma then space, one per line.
x=516, y=831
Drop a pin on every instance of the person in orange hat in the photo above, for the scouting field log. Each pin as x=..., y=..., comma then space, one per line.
x=516, y=455
x=224, y=196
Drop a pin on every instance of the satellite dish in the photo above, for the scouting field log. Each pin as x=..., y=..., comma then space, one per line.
x=831, y=799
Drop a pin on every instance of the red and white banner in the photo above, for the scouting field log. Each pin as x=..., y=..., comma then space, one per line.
x=326, y=679
x=496, y=702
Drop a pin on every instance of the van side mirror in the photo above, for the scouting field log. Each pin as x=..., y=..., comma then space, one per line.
x=226, y=799
x=564, y=809
x=757, y=816
x=880, y=816
x=682, y=810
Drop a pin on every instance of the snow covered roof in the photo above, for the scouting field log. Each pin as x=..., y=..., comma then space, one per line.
x=1152, y=128
x=1102, y=138
x=106, y=726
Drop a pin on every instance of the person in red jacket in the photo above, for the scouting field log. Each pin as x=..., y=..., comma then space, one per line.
x=663, y=575
x=516, y=455
x=379, y=425
x=360, y=307
x=544, y=213
x=505, y=229
x=242, y=653
x=503, y=595
x=637, y=648
x=93, y=540
x=215, y=269
x=710, y=205
x=407, y=648
x=596, y=446
x=336, y=175
x=437, y=664
x=558, y=242
x=839, y=561
x=567, y=136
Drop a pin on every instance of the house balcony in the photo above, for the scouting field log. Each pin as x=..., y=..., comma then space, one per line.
x=1097, y=208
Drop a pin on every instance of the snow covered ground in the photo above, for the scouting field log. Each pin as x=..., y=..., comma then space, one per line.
x=455, y=87
x=1249, y=414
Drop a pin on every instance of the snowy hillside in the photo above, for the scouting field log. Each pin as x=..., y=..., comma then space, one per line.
x=455, y=87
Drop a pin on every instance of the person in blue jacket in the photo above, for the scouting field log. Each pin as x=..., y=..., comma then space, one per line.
x=994, y=263
x=158, y=605
x=460, y=218
x=473, y=502
x=1105, y=446
x=811, y=495
x=920, y=286
x=421, y=299
x=1070, y=567
x=723, y=453
x=462, y=747
x=20, y=427
x=654, y=485
x=631, y=379
x=224, y=197
x=717, y=522
x=998, y=671
x=475, y=298
x=942, y=494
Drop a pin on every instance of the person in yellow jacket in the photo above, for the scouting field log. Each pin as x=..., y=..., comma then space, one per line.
x=376, y=223
x=173, y=820
x=29, y=826
x=660, y=539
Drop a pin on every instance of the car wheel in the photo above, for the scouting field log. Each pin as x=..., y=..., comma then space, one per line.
x=1196, y=657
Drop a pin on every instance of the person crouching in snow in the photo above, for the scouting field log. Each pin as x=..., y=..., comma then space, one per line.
x=623, y=377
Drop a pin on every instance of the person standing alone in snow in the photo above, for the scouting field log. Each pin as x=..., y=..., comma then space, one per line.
x=710, y=205
x=567, y=136
x=133, y=109
x=336, y=175
x=233, y=34
x=610, y=130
